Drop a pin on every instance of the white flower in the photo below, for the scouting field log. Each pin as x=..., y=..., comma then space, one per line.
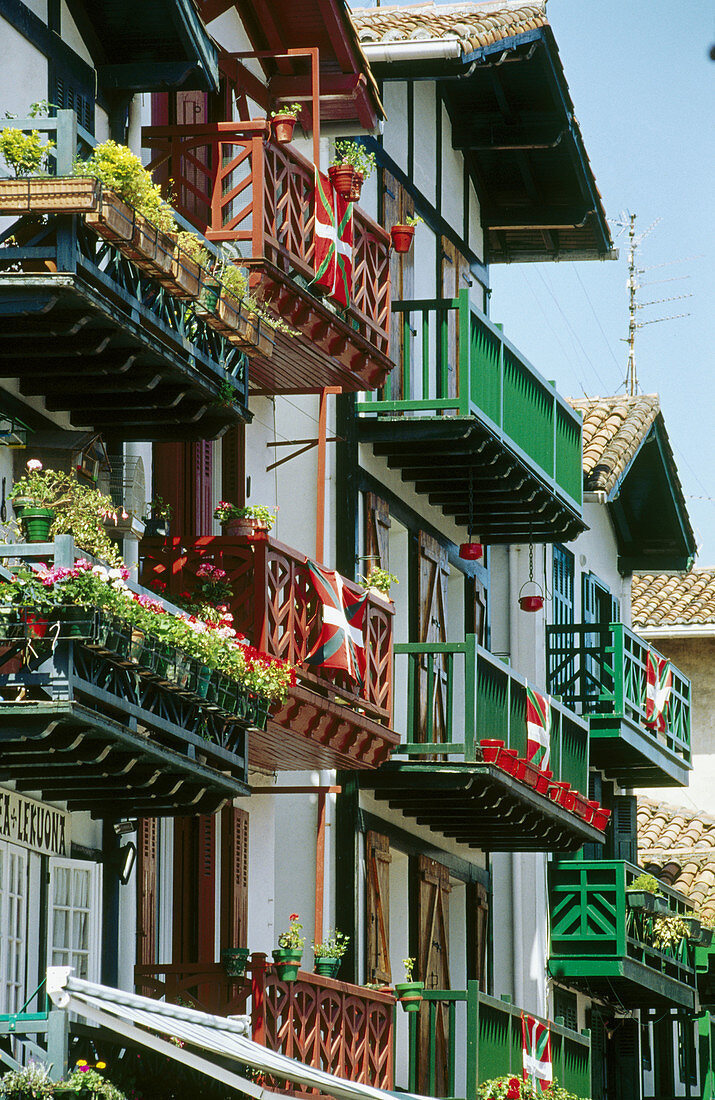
x=101, y=572
x=115, y=574
x=34, y=464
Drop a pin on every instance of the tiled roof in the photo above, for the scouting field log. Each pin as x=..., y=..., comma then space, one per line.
x=613, y=430
x=678, y=847
x=476, y=25
x=674, y=599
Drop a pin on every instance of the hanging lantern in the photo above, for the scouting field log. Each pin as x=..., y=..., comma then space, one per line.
x=532, y=601
x=471, y=551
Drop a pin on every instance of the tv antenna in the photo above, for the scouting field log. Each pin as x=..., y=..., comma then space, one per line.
x=627, y=223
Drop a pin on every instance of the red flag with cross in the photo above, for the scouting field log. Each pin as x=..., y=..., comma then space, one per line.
x=341, y=643
x=538, y=728
x=659, y=685
x=536, y=1051
x=333, y=241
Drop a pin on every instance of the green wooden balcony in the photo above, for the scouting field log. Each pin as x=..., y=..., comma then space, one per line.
x=600, y=671
x=466, y=1038
x=438, y=774
x=600, y=944
x=469, y=413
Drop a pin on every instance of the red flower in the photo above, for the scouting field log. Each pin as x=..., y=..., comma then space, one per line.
x=294, y=916
x=514, y=1089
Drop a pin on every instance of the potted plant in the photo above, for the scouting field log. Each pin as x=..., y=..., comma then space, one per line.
x=30, y=1082
x=253, y=521
x=329, y=952
x=283, y=121
x=352, y=166
x=669, y=932
x=403, y=234
x=234, y=961
x=409, y=992
x=642, y=892
x=379, y=581
x=289, y=953
x=87, y=1082
x=705, y=935
x=158, y=524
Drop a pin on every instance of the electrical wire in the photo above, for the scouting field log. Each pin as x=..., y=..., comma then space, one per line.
x=596, y=317
x=567, y=356
x=574, y=335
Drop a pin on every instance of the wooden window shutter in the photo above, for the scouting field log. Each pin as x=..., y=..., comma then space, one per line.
x=432, y=967
x=147, y=841
x=396, y=205
x=233, y=465
x=477, y=609
x=624, y=828
x=454, y=268
x=477, y=933
x=206, y=886
x=202, y=463
x=377, y=533
x=183, y=938
x=432, y=579
x=234, y=877
x=169, y=477
x=378, y=857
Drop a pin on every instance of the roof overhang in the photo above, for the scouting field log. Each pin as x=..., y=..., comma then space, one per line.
x=513, y=119
x=648, y=510
x=677, y=630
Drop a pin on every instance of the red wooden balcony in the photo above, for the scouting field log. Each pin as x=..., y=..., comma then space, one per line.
x=326, y=721
x=330, y=1025
x=235, y=185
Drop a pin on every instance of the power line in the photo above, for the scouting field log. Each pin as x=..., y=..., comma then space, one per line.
x=574, y=335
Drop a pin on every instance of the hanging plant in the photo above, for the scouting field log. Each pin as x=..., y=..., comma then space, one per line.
x=283, y=121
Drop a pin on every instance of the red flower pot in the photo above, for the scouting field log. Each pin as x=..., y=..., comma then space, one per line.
x=36, y=625
x=341, y=177
x=531, y=603
x=600, y=818
x=283, y=127
x=356, y=189
x=491, y=750
x=542, y=782
x=402, y=237
x=470, y=551
x=531, y=775
x=581, y=807
x=510, y=762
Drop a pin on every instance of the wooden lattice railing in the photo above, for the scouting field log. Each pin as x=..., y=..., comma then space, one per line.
x=276, y=607
x=342, y=1029
x=235, y=184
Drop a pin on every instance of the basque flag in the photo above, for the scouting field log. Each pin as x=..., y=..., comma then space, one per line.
x=536, y=1050
x=342, y=640
x=659, y=684
x=333, y=241
x=538, y=728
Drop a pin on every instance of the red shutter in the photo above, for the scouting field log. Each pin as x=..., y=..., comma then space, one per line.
x=233, y=465
x=206, y=881
x=147, y=837
x=234, y=877
x=202, y=482
x=184, y=896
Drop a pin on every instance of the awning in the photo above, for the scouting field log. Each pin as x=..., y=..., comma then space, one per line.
x=129, y=1015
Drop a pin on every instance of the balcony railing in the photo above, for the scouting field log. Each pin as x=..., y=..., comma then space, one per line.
x=236, y=185
x=330, y=1025
x=449, y=698
x=468, y=1038
x=328, y=721
x=601, y=672
x=457, y=364
x=88, y=721
x=601, y=943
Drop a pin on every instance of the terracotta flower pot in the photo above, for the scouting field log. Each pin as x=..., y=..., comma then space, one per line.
x=402, y=236
x=341, y=177
x=356, y=189
x=283, y=127
x=470, y=551
x=246, y=527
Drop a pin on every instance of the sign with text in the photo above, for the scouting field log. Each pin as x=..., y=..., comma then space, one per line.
x=34, y=825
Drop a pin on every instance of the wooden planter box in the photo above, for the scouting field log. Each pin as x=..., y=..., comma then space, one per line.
x=50, y=195
x=113, y=219
x=185, y=274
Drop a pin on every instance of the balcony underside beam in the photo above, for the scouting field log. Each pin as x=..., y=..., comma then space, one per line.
x=626, y=981
x=480, y=806
x=446, y=457
x=633, y=756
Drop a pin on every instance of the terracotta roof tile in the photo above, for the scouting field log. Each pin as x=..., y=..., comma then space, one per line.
x=475, y=24
x=674, y=599
x=613, y=430
x=679, y=845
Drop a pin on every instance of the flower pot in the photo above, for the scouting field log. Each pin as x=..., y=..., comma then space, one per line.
x=600, y=818
x=470, y=551
x=157, y=529
x=9, y=623
x=531, y=603
x=706, y=937
x=491, y=750
x=209, y=291
x=186, y=274
x=35, y=624
x=409, y=994
x=693, y=925
x=246, y=527
x=356, y=188
x=36, y=523
x=510, y=762
x=327, y=967
x=283, y=127
x=341, y=177
x=76, y=622
x=531, y=774
x=641, y=899
x=581, y=807
x=402, y=237
x=661, y=905
x=49, y=195
x=234, y=961
x=287, y=963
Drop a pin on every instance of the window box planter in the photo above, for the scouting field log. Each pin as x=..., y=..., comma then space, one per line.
x=694, y=928
x=409, y=994
x=643, y=900
x=50, y=195
x=705, y=937
x=287, y=963
x=112, y=219
x=186, y=275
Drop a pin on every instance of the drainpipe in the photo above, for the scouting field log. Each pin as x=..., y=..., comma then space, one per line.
x=411, y=49
x=517, y=944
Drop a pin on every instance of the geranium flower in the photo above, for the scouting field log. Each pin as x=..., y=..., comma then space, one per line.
x=34, y=464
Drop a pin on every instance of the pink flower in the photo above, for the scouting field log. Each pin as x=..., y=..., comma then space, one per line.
x=34, y=464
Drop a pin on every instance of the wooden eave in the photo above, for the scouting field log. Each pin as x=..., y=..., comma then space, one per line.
x=479, y=805
x=443, y=456
x=71, y=753
x=632, y=756
x=631, y=983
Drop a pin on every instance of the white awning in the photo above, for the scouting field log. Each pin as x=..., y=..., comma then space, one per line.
x=129, y=1015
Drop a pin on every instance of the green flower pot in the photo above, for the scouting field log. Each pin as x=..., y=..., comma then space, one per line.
x=287, y=963
x=77, y=622
x=36, y=523
x=9, y=623
x=234, y=961
x=327, y=966
x=409, y=994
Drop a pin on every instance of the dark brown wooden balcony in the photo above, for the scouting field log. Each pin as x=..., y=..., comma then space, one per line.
x=237, y=186
x=328, y=1024
x=326, y=721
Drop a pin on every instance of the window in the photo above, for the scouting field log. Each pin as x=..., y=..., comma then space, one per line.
x=13, y=922
x=563, y=586
x=75, y=917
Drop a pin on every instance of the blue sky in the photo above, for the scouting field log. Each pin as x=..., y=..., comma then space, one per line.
x=642, y=85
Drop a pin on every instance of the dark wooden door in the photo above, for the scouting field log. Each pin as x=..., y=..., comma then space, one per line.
x=193, y=933
x=377, y=533
x=396, y=205
x=377, y=854
x=433, y=574
x=234, y=877
x=432, y=967
x=477, y=933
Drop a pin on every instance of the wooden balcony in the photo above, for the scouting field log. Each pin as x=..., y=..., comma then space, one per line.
x=468, y=1038
x=601, y=944
x=438, y=774
x=469, y=415
x=236, y=185
x=326, y=722
x=85, y=723
x=328, y=1024
x=600, y=671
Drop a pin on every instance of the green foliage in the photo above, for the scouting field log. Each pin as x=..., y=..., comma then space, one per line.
x=30, y=1081
x=379, y=579
x=160, y=508
x=353, y=152
x=89, y=1081
x=292, y=939
x=225, y=512
x=333, y=945
x=648, y=883
x=291, y=110
x=410, y=220
x=23, y=152
x=669, y=932
x=409, y=965
x=194, y=248
x=119, y=168
x=513, y=1087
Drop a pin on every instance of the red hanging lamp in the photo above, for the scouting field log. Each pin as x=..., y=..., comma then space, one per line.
x=473, y=549
x=532, y=601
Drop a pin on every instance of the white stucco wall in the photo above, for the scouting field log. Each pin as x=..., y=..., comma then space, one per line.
x=24, y=72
